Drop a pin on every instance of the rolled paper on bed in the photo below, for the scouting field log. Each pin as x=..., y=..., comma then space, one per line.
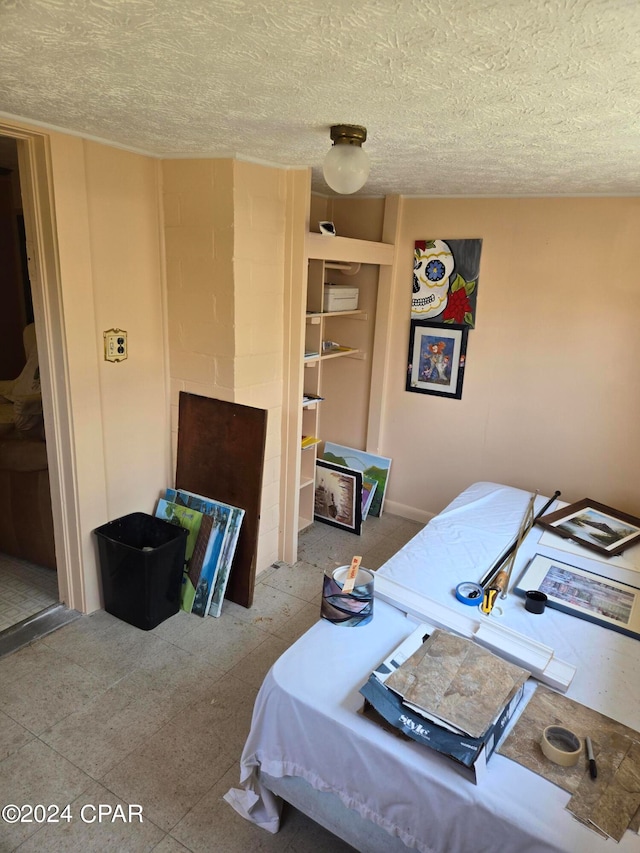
x=350, y=609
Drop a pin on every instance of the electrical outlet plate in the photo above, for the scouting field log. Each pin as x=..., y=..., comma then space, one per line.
x=115, y=345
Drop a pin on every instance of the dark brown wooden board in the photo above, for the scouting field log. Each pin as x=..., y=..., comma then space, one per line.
x=221, y=456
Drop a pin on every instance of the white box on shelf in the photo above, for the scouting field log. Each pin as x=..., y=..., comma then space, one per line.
x=340, y=297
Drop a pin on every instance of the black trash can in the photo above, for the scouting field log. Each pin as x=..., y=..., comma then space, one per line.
x=141, y=566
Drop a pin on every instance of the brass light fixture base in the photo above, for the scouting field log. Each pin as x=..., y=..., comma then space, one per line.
x=348, y=134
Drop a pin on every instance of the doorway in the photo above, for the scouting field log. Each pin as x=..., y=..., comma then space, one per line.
x=28, y=577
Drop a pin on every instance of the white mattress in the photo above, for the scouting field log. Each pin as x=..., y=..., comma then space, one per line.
x=307, y=721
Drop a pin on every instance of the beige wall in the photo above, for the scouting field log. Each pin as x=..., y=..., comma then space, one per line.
x=128, y=282
x=550, y=398
x=106, y=208
x=225, y=243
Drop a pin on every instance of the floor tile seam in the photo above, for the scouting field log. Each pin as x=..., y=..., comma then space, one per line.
x=84, y=666
x=249, y=683
x=292, y=594
x=204, y=793
x=84, y=707
x=69, y=761
x=102, y=690
x=224, y=671
x=88, y=779
x=196, y=804
x=22, y=724
x=93, y=780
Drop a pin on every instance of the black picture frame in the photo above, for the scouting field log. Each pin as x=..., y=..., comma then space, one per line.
x=338, y=496
x=593, y=597
x=437, y=355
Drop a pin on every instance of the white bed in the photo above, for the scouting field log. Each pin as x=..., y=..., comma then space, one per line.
x=310, y=744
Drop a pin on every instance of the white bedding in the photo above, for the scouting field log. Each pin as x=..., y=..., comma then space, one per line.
x=307, y=721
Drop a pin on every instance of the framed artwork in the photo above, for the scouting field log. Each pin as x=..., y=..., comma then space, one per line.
x=594, y=525
x=437, y=355
x=584, y=594
x=445, y=280
x=338, y=496
x=374, y=467
x=369, y=487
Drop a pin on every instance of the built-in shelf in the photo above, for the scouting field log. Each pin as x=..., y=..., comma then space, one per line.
x=346, y=249
x=349, y=351
x=334, y=261
x=316, y=316
x=304, y=522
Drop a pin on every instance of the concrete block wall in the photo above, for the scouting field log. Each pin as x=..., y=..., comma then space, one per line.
x=224, y=239
x=259, y=232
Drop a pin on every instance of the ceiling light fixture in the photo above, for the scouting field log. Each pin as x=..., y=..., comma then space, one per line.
x=346, y=164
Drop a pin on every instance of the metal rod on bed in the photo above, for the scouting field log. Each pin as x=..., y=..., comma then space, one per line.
x=493, y=571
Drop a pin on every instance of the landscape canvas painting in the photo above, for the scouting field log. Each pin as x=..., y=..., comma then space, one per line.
x=375, y=467
x=598, y=528
x=223, y=522
x=595, y=526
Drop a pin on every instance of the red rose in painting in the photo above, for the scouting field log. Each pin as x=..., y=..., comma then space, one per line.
x=457, y=306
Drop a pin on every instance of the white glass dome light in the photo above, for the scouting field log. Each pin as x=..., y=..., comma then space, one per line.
x=346, y=164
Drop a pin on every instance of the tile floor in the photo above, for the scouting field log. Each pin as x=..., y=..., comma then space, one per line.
x=100, y=712
x=25, y=589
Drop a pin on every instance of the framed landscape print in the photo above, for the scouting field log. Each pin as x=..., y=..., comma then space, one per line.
x=372, y=466
x=594, y=525
x=338, y=496
x=584, y=594
x=437, y=354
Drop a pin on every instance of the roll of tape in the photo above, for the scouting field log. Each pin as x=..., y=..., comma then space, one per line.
x=561, y=746
x=469, y=592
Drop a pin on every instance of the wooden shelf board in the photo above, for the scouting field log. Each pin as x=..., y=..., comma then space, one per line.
x=347, y=249
x=326, y=355
x=304, y=522
x=307, y=482
x=317, y=314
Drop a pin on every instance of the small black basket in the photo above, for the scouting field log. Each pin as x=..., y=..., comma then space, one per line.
x=141, y=567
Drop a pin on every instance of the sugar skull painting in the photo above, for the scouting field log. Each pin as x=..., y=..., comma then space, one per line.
x=445, y=280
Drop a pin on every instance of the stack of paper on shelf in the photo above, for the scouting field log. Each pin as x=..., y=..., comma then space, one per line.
x=214, y=530
x=448, y=693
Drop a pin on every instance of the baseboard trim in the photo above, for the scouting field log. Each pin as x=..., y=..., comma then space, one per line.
x=409, y=512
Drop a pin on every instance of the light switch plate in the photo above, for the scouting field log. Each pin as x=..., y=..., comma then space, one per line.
x=115, y=345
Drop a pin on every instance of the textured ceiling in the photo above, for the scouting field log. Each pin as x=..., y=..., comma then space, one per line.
x=460, y=97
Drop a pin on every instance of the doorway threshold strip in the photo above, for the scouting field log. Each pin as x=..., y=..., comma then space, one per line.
x=35, y=627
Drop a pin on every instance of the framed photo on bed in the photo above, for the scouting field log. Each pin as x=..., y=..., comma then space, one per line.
x=583, y=594
x=338, y=496
x=437, y=353
x=593, y=525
